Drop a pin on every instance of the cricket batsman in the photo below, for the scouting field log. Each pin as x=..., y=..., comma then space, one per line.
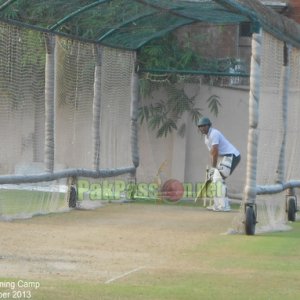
x=224, y=159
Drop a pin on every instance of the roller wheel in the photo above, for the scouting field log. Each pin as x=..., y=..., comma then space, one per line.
x=250, y=220
x=72, y=197
x=291, y=211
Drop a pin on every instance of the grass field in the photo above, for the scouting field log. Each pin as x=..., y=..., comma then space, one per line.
x=18, y=203
x=141, y=251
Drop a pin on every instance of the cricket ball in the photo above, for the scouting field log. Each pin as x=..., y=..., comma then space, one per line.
x=172, y=190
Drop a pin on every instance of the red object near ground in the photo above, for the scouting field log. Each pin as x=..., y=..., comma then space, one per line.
x=172, y=190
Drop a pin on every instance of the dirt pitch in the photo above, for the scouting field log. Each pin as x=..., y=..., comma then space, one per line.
x=108, y=244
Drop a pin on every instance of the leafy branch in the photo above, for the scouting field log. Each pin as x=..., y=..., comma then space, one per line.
x=164, y=116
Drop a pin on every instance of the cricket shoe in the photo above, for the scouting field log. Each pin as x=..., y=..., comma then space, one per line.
x=213, y=207
x=227, y=208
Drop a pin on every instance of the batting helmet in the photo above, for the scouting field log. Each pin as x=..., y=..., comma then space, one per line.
x=204, y=121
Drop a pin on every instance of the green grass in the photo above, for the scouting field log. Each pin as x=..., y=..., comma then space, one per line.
x=225, y=267
x=14, y=202
x=182, y=202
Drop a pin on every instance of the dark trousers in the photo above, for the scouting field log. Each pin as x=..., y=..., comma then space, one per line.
x=235, y=162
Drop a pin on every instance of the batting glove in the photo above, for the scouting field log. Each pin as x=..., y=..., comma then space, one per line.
x=210, y=173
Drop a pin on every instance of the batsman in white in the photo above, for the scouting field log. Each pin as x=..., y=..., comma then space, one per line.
x=224, y=159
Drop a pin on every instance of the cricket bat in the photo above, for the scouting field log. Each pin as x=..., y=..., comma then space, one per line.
x=205, y=185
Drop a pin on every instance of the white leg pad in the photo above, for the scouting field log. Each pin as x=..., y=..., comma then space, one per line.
x=221, y=202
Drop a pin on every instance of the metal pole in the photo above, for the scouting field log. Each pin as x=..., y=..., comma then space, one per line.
x=250, y=187
x=134, y=116
x=49, y=102
x=97, y=107
x=284, y=93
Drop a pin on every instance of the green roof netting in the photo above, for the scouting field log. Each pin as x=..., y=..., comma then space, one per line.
x=130, y=24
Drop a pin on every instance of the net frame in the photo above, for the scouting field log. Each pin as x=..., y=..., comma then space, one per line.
x=51, y=92
x=279, y=179
x=44, y=171
x=118, y=31
x=251, y=188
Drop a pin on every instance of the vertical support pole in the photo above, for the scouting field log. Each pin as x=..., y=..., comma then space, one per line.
x=49, y=102
x=134, y=125
x=97, y=107
x=134, y=116
x=250, y=187
x=284, y=88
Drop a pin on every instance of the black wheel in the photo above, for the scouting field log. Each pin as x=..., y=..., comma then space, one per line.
x=72, y=197
x=250, y=220
x=291, y=209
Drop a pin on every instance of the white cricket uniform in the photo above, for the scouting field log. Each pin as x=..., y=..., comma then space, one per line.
x=227, y=151
x=215, y=137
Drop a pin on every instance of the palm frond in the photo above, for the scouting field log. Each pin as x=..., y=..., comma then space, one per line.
x=214, y=104
x=167, y=127
x=195, y=114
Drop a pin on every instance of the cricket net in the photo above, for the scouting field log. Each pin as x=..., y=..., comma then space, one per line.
x=277, y=159
x=65, y=113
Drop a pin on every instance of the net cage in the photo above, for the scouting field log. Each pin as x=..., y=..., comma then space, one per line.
x=70, y=95
x=131, y=24
x=43, y=136
x=272, y=163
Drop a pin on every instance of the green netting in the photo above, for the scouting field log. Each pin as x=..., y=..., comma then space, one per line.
x=130, y=24
x=203, y=11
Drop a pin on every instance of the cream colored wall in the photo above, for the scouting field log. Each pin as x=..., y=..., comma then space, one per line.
x=187, y=157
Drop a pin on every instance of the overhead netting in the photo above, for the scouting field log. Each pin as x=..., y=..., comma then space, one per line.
x=88, y=134
x=278, y=131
